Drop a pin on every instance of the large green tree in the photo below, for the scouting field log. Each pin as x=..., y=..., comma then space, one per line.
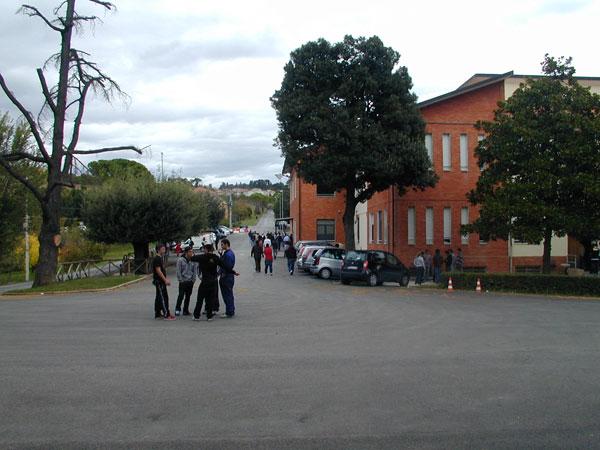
x=541, y=161
x=15, y=200
x=349, y=121
x=56, y=139
x=141, y=211
x=119, y=169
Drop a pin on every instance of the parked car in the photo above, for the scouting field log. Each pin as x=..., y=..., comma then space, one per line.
x=373, y=266
x=300, y=244
x=303, y=262
x=225, y=230
x=327, y=262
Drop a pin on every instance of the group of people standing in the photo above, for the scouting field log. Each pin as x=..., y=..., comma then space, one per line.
x=268, y=246
x=214, y=270
x=430, y=266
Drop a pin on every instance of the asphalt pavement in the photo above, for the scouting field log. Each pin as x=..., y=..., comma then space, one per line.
x=306, y=363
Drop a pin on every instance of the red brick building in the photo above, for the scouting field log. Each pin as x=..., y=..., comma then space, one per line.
x=431, y=219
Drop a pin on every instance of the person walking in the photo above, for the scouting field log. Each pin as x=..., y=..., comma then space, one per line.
x=257, y=253
x=437, y=265
x=459, y=261
x=208, y=291
x=268, y=252
x=160, y=281
x=187, y=270
x=291, y=255
x=419, y=263
x=227, y=279
x=449, y=261
x=428, y=265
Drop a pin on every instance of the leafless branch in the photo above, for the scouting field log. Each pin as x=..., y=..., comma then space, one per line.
x=29, y=118
x=47, y=94
x=107, y=149
x=107, y=5
x=32, y=11
x=23, y=180
x=18, y=156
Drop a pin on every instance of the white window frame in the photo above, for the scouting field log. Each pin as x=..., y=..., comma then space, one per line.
x=429, y=145
x=411, y=217
x=464, y=220
x=447, y=226
x=429, y=230
x=447, y=152
x=464, y=152
x=385, y=227
x=371, y=228
x=480, y=138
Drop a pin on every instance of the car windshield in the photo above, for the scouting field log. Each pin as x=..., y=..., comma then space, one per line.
x=355, y=256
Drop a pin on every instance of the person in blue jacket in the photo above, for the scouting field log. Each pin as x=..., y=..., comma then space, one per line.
x=227, y=278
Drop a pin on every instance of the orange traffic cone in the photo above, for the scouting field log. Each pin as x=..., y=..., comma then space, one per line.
x=450, y=288
x=478, y=288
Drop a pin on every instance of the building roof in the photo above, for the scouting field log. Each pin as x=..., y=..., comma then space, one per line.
x=481, y=80
x=477, y=81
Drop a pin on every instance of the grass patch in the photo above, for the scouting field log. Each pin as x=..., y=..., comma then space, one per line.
x=82, y=284
x=117, y=251
x=14, y=277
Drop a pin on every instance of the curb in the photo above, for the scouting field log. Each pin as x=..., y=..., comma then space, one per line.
x=108, y=289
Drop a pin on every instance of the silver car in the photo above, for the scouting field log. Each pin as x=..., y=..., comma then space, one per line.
x=327, y=262
x=304, y=261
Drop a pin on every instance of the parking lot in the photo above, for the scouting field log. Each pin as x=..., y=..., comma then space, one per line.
x=306, y=363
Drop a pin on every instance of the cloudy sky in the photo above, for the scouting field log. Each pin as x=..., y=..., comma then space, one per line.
x=200, y=73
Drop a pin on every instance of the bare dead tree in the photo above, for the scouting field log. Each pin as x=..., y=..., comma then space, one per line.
x=77, y=77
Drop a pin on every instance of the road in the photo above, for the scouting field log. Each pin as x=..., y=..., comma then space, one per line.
x=305, y=363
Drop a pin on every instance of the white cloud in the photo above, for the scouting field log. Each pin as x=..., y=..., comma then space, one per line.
x=200, y=74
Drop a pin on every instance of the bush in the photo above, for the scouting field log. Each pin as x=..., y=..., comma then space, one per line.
x=76, y=247
x=526, y=283
x=17, y=261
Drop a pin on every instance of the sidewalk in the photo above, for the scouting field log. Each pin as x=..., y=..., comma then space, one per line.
x=14, y=286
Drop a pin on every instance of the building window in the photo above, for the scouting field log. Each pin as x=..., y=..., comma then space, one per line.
x=429, y=146
x=379, y=226
x=447, y=152
x=371, y=227
x=326, y=229
x=447, y=226
x=464, y=220
x=480, y=138
x=429, y=226
x=325, y=191
x=385, y=227
x=411, y=226
x=464, y=152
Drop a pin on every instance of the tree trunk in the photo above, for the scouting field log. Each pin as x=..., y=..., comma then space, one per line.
x=45, y=272
x=547, y=260
x=141, y=254
x=588, y=249
x=349, y=218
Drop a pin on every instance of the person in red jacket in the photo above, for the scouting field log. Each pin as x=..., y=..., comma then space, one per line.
x=268, y=252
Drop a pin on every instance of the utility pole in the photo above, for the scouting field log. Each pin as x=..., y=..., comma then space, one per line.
x=230, y=210
x=26, y=229
x=162, y=168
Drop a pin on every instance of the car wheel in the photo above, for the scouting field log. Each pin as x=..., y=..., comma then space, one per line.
x=344, y=281
x=325, y=274
x=404, y=280
x=372, y=280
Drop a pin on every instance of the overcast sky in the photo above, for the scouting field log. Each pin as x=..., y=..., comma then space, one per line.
x=200, y=73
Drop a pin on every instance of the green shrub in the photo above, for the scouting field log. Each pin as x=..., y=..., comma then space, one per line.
x=525, y=283
x=76, y=247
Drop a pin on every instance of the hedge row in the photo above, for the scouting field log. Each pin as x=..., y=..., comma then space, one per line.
x=526, y=283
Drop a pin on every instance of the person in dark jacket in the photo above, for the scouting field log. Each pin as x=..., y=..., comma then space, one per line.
x=437, y=265
x=257, y=253
x=160, y=281
x=208, y=292
x=291, y=254
x=227, y=278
